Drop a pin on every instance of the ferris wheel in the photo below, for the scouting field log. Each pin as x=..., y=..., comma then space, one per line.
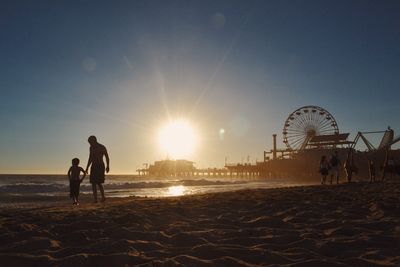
x=305, y=123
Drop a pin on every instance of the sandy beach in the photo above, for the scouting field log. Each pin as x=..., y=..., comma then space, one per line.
x=341, y=225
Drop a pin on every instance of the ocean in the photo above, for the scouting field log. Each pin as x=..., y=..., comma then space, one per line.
x=31, y=186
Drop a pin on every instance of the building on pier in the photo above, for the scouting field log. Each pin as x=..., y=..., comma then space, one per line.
x=165, y=168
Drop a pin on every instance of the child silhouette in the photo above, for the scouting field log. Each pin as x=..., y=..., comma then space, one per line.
x=74, y=180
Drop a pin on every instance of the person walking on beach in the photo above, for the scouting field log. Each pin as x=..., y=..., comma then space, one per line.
x=371, y=168
x=349, y=165
x=335, y=163
x=74, y=180
x=97, y=152
x=323, y=168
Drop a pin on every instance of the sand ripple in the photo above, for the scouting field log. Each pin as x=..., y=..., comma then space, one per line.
x=344, y=225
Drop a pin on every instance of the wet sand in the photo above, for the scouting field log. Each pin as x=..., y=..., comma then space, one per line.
x=341, y=225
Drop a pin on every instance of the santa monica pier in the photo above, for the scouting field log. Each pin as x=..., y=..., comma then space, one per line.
x=308, y=133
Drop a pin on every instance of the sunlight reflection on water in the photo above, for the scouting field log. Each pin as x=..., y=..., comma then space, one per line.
x=177, y=190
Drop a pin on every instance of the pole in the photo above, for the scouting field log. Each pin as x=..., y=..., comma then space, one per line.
x=274, y=143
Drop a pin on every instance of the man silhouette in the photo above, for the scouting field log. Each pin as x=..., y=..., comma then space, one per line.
x=335, y=164
x=97, y=152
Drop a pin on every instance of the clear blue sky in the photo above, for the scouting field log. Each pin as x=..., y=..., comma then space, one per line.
x=120, y=69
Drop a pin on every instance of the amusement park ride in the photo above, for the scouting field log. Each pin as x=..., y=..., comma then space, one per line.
x=310, y=132
x=311, y=127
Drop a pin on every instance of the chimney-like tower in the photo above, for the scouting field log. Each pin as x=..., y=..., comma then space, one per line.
x=274, y=150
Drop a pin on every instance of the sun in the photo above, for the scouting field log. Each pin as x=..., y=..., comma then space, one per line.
x=178, y=139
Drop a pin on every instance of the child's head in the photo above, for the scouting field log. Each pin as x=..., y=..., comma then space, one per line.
x=75, y=161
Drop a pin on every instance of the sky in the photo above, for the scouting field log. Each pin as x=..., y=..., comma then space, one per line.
x=121, y=70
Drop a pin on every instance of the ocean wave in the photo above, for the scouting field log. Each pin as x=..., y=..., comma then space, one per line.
x=34, y=187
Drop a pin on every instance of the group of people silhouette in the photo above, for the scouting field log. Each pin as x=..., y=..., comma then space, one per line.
x=97, y=171
x=333, y=166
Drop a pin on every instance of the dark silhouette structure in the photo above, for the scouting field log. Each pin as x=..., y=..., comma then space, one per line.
x=170, y=168
x=311, y=132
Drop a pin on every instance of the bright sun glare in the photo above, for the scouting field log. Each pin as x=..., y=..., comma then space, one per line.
x=178, y=139
x=177, y=190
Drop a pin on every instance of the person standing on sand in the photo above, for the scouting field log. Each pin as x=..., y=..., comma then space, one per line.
x=323, y=168
x=371, y=168
x=74, y=180
x=349, y=165
x=97, y=152
x=335, y=163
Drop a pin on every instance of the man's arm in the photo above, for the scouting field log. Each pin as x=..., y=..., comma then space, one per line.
x=89, y=161
x=84, y=174
x=107, y=160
